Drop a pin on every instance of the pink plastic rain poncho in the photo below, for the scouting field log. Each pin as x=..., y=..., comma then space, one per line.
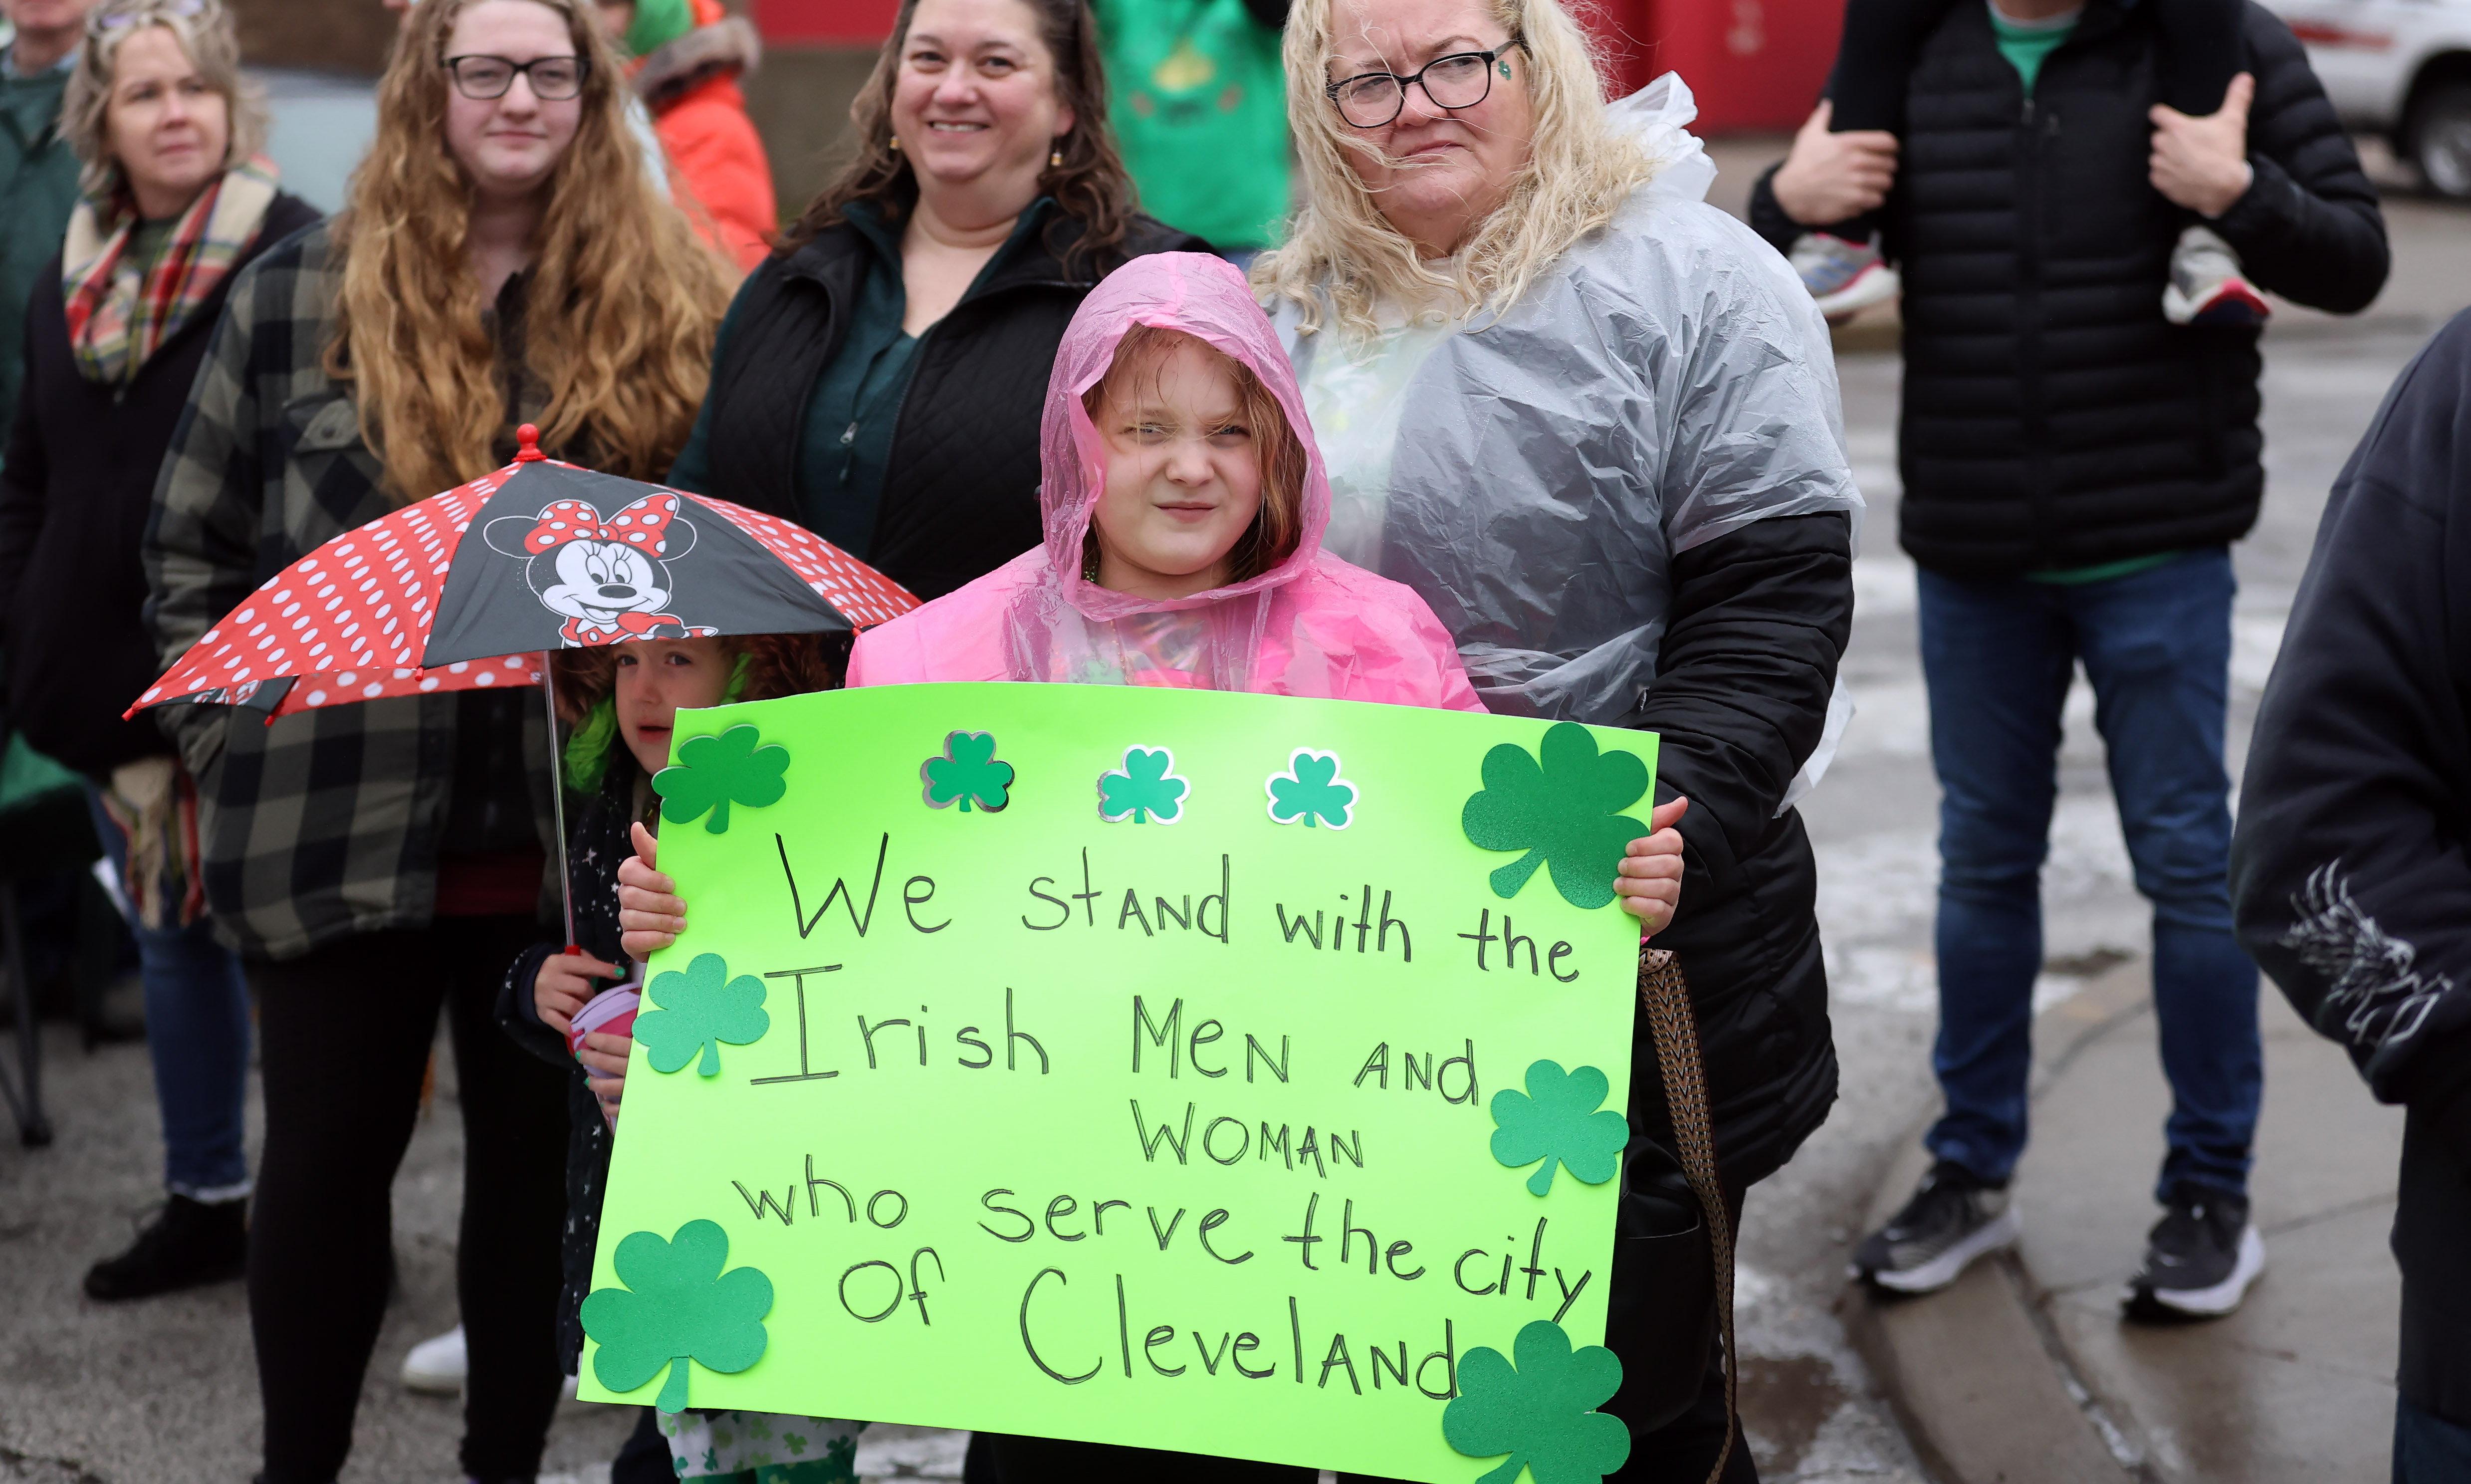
x=1314, y=625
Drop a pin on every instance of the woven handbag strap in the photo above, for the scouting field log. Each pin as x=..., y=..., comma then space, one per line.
x=1666, y=998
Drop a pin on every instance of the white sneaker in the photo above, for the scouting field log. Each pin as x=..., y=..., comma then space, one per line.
x=1843, y=276
x=436, y=1366
x=2206, y=287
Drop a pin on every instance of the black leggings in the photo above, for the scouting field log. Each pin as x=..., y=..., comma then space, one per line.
x=345, y=1033
x=1874, y=59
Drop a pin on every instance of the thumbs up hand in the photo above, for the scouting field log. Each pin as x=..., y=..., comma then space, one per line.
x=2202, y=162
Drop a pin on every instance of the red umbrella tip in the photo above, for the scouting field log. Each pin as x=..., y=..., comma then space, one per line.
x=528, y=444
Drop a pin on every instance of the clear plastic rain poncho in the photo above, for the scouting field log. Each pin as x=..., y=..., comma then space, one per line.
x=1532, y=475
x=1314, y=625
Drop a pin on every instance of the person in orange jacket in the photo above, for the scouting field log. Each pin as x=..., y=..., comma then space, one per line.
x=689, y=55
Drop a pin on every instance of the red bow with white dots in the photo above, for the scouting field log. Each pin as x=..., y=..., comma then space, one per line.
x=643, y=525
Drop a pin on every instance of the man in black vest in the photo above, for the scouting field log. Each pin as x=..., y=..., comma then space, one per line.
x=2075, y=468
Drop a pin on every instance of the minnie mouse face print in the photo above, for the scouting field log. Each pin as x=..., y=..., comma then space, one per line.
x=610, y=580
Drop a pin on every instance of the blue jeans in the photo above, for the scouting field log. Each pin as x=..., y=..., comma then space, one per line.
x=1998, y=656
x=196, y=1032
x=2429, y=1449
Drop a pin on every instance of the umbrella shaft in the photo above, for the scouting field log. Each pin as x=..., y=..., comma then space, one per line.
x=557, y=796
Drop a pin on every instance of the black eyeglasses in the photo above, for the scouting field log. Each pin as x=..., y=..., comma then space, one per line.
x=186, y=10
x=553, y=79
x=1462, y=80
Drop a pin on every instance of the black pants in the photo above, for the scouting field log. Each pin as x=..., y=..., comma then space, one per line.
x=346, y=1033
x=1646, y=1290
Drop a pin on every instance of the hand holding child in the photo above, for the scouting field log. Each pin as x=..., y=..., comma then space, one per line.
x=564, y=984
x=650, y=914
x=1650, y=879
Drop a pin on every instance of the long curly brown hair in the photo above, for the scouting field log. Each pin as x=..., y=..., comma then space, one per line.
x=1091, y=185
x=620, y=315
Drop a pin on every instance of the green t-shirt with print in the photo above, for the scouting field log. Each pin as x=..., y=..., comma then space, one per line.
x=1198, y=103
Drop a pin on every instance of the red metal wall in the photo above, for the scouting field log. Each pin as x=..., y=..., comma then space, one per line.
x=1754, y=64
x=825, y=22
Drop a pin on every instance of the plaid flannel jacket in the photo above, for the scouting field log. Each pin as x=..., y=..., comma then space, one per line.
x=326, y=823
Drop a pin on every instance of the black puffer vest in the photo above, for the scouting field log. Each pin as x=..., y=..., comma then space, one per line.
x=960, y=487
x=2052, y=417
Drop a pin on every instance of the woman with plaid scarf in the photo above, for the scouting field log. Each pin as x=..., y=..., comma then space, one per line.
x=176, y=199
x=503, y=259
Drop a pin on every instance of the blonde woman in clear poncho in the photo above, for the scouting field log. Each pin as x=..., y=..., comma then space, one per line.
x=1184, y=505
x=1592, y=421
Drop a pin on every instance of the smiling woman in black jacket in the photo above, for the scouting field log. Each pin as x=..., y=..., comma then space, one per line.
x=879, y=378
x=174, y=204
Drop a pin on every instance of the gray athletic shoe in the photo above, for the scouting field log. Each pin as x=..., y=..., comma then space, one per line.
x=1952, y=1219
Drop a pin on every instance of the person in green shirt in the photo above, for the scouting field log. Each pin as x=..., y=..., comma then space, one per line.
x=38, y=171
x=1198, y=102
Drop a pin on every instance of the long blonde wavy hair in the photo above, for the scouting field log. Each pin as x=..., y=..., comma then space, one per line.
x=619, y=317
x=1577, y=173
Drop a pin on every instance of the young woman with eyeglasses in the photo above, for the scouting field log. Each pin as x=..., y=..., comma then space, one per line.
x=503, y=259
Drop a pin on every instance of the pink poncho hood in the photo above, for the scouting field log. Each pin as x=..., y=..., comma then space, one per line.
x=1312, y=626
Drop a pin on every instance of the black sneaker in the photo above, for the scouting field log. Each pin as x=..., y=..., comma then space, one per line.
x=188, y=1243
x=1952, y=1219
x=2201, y=1258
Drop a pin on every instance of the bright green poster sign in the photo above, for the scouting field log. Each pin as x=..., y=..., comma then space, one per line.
x=1230, y=1074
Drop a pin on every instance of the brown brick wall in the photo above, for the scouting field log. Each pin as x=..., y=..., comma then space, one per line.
x=326, y=35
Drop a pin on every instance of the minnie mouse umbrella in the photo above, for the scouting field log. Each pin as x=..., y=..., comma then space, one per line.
x=565, y=559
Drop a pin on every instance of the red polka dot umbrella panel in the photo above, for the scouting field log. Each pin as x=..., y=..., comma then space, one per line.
x=464, y=590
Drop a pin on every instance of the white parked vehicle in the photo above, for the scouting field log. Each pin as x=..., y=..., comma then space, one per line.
x=2400, y=68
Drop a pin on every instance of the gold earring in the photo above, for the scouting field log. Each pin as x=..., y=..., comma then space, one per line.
x=896, y=144
x=1055, y=159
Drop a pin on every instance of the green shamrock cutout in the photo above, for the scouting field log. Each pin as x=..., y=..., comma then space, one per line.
x=1564, y=812
x=1557, y=1121
x=698, y=1010
x=714, y=772
x=1311, y=791
x=967, y=771
x=1543, y=1413
x=677, y=1306
x=1145, y=790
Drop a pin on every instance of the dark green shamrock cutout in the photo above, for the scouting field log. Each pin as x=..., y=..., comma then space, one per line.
x=1311, y=791
x=714, y=772
x=968, y=772
x=1144, y=791
x=1557, y=1121
x=1564, y=813
x=1542, y=1414
x=677, y=1306
x=699, y=1009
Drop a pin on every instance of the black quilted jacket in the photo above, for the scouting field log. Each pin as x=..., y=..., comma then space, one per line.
x=2052, y=417
x=960, y=488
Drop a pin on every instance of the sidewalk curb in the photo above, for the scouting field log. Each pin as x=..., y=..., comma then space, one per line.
x=1979, y=1379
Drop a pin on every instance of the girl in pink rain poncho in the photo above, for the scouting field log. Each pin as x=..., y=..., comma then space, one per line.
x=1183, y=506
